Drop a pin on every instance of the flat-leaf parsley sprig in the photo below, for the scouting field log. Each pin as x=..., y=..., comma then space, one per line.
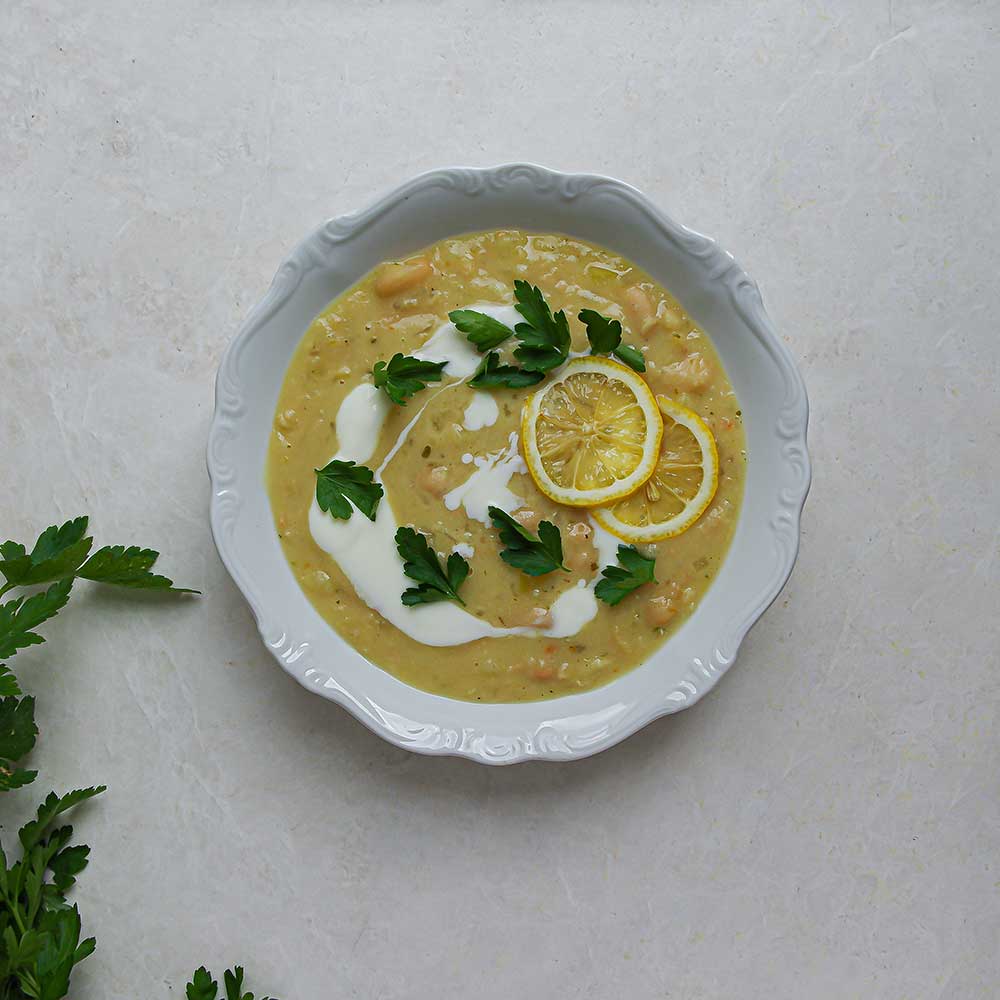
x=127, y=566
x=18, y=733
x=605, y=336
x=404, y=376
x=420, y=563
x=491, y=374
x=204, y=987
x=544, y=337
x=61, y=553
x=339, y=482
x=619, y=581
x=22, y=615
x=40, y=932
x=482, y=331
x=40, y=937
x=535, y=555
x=18, y=620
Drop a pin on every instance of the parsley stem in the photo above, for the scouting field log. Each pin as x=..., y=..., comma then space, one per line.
x=14, y=912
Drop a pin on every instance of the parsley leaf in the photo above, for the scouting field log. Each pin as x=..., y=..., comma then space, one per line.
x=483, y=331
x=545, y=339
x=40, y=941
x=630, y=356
x=54, y=805
x=618, y=582
x=234, y=985
x=128, y=567
x=491, y=374
x=40, y=933
x=68, y=863
x=62, y=948
x=338, y=482
x=535, y=555
x=15, y=563
x=404, y=376
x=20, y=616
x=59, y=552
x=603, y=333
x=420, y=563
x=8, y=682
x=605, y=336
x=17, y=737
x=20, y=953
x=204, y=987
x=12, y=777
x=233, y=978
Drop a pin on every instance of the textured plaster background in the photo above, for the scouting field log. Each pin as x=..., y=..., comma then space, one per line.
x=826, y=824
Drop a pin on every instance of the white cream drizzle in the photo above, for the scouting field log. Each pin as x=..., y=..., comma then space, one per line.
x=366, y=553
x=488, y=485
x=359, y=422
x=571, y=610
x=447, y=344
x=366, y=550
x=481, y=412
x=605, y=543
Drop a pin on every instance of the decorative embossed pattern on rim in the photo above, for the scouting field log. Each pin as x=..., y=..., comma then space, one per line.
x=711, y=286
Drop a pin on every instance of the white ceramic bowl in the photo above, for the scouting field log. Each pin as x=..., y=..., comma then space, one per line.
x=712, y=288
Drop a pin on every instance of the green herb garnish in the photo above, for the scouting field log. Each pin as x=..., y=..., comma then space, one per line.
x=204, y=987
x=8, y=682
x=483, y=331
x=491, y=374
x=339, y=482
x=535, y=555
x=420, y=563
x=404, y=376
x=41, y=931
x=605, y=336
x=17, y=736
x=23, y=614
x=630, y=356
x=59, y=552
x=127, y=566
x=544, y=338
x=18, y=619
x=619, y=582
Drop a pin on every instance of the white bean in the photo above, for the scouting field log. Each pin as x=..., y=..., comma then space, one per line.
x=396, y=278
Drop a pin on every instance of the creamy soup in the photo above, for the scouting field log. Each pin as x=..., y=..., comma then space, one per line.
x=453, y=452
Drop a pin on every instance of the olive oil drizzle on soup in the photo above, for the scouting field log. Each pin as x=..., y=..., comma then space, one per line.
x=453, y=450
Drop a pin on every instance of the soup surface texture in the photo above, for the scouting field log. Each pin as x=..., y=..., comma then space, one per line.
x=453, y=451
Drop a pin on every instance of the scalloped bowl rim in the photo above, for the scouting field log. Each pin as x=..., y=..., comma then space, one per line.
x=421, y=211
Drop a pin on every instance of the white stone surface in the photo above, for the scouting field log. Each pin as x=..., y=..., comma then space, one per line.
x=826, y=824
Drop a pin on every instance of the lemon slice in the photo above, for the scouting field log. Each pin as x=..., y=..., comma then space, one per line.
x=592, y=434
x=679, y=490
